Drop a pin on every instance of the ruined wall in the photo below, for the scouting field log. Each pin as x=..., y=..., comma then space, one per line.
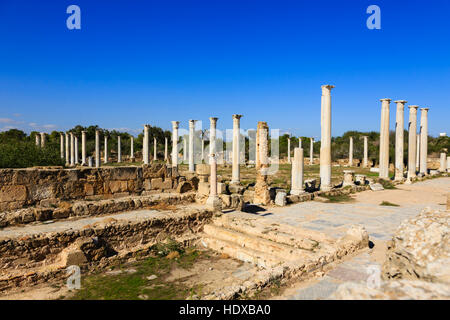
x=46, y=186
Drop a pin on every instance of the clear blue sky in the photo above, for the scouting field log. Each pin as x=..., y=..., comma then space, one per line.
x=136, y=62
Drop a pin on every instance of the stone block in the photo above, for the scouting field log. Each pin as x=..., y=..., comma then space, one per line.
x=13, y=193
x=280, y=199
x=236, y=188
x=376, y=187
x=221, y=188
x=203, y=188
x=157, y=183
x=184, y=186
x=118, y=186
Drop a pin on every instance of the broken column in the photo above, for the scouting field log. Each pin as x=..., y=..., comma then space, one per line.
x=384, y=139
x=262, y=195
x=443, y=162
x=325, y=143
x=350, y=152
x=105, y=155
x=236, y=171
x=119, y=150
x=37, y=139
x=61, y=145
x=311, y=151
x=145, y=151
x=399, y=139
x=175, y=143
x=42, y=139
x=213, y=200
x=297, y=172
x=97, y=148
x=412, y=136
x=191, y=145
x=132, y=149
x=83, y=147
x=348, y=178
x=212, y=135
x=67, y=149
x=366, y=153
x=423, y=140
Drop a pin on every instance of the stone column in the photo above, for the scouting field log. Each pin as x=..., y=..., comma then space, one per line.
x=423, y=140
x=97, y=148
x=61, y=145
x=325, y=143
x=185, y=151
x=155, y=157
x=348, y=178
x=175, y=143
x=37, y=139
x=399, y=139
x=213, y=200
x=448, y=164
x=76, y=150
x=300, y=142
x=236, y=172
x=145, y=150
x=412, y=137
x=132, y=149
x=443, y=162
x=119, y=150
x=262, y=195
x=366, y=153
x=297, y=172
x=212, y=135
x=203, y=149
x=350, y=153
x=90, y=162
x=289, y=150
x=105, y=156
x=417, y=151
x=191, y=145
x=311, y=151
x=165, y=148
x=67, y=149
x=83, y=147
x=72, y=149
x=42, y=139
x=384, y=139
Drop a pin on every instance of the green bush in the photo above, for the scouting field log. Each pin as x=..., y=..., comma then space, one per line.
x=23, y=154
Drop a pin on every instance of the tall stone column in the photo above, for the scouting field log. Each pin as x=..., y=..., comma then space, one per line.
x=165, y=148
x=72, y=149
x=417, y=151
x=236, y=172
x=203, y=149
x=83, y=147
x=185, y=149
x=412, y=144
x=76, y=149
x=212, y=136
x=448, y=164
x=423, y=140
x=325, y=143
x=350, y=153
x=97, y=148
x=175, y=143
x=311, y=151
x=399, y=139
x=384, y=139
x=119, y=150
x=289, y=150
x=213, y=200
x=262, y=195
x=67, y=149
x=366, y=153
x=132, y=149
x=37, y=139
x=443, y=162
x=61, y=145
x=155, y=156
x=145, y=150
x=105, y=156
x=42, y=139
x=191, y=145
x=297, y=172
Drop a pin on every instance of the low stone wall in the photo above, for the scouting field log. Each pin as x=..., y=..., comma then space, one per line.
x=46, y=186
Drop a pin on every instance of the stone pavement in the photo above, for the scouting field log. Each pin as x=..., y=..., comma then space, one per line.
x=380, y=222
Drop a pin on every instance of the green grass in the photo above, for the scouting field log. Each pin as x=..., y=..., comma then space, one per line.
x=135, y=285
x=387, y=203
x=387, y=184
x=339, y=198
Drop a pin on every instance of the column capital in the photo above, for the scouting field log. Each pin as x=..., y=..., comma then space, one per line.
x=400, y=102
x=326, y=88
x=413, y=108
x=213, y=119
x=175, y=124
x=386, y=99
x=83, y=131
x=424, y=109
x=192, y=123
x=237, y=116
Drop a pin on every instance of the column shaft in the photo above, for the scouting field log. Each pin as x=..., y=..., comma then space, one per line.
x=424, y=141
x=384, y=139
x=412, y=144
x=399, y=139
x=325, y=143
x=191, y=145
x=175, y=143
x=297, y=172
x=236, y=172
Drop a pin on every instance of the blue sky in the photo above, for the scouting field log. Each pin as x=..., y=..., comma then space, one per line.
x=136, y=62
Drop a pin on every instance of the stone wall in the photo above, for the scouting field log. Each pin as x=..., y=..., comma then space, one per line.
x=46, y=186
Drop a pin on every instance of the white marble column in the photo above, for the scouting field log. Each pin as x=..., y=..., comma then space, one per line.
x=67, y=149
x=399, y=139
x=311, y=151
x=119, y=150
x=42, y=139
x=412, y=144
x=213, y=200
x=236, y=171
x=289, y=149
x=423, y=140
x=105, y=156
x=165, y=148
x=155, y=156
x=300, y=142
x=191, y=145
x=61, y=145
x=185, y=149
x=212, y=136
x=448, y=164
x=132, y=149
x=37, y=139
x=203, y=149
x=97, y=148
x=175, y=143
x=350, y=153
x=145, y=149
x=325, y=143
x=417, y=151
x=76, y=149
x=297, y=172
x=384, y=139
x=443, y=162
x=83, y=147
x=72, y=149
x=366, y=153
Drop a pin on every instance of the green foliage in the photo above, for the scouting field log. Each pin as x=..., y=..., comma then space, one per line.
x=22, y=154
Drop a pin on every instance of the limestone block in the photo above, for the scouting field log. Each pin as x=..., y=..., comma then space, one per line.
x=236, y=188
x=13, y=193
x=117, y=186
x=376, y=187
x=221, y=188
x=157, y=183
x=203, y=188
x=280, y=199
x=226, y=200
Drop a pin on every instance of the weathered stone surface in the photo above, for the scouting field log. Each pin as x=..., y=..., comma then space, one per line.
x=13, y=193
x=184, y=186
x=280, y=199
x=376, y=187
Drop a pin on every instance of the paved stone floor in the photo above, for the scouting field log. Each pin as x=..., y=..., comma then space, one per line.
x=380, y=222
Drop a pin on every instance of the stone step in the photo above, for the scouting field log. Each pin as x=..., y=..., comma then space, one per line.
x=236, y=251
x=244, y=240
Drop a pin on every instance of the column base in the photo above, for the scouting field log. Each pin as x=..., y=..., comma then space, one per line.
x=325, y=188
x=297, y=192
x=214, y=202
x=235, y=182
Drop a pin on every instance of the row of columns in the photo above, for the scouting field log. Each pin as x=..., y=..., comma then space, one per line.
x=311, y=149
